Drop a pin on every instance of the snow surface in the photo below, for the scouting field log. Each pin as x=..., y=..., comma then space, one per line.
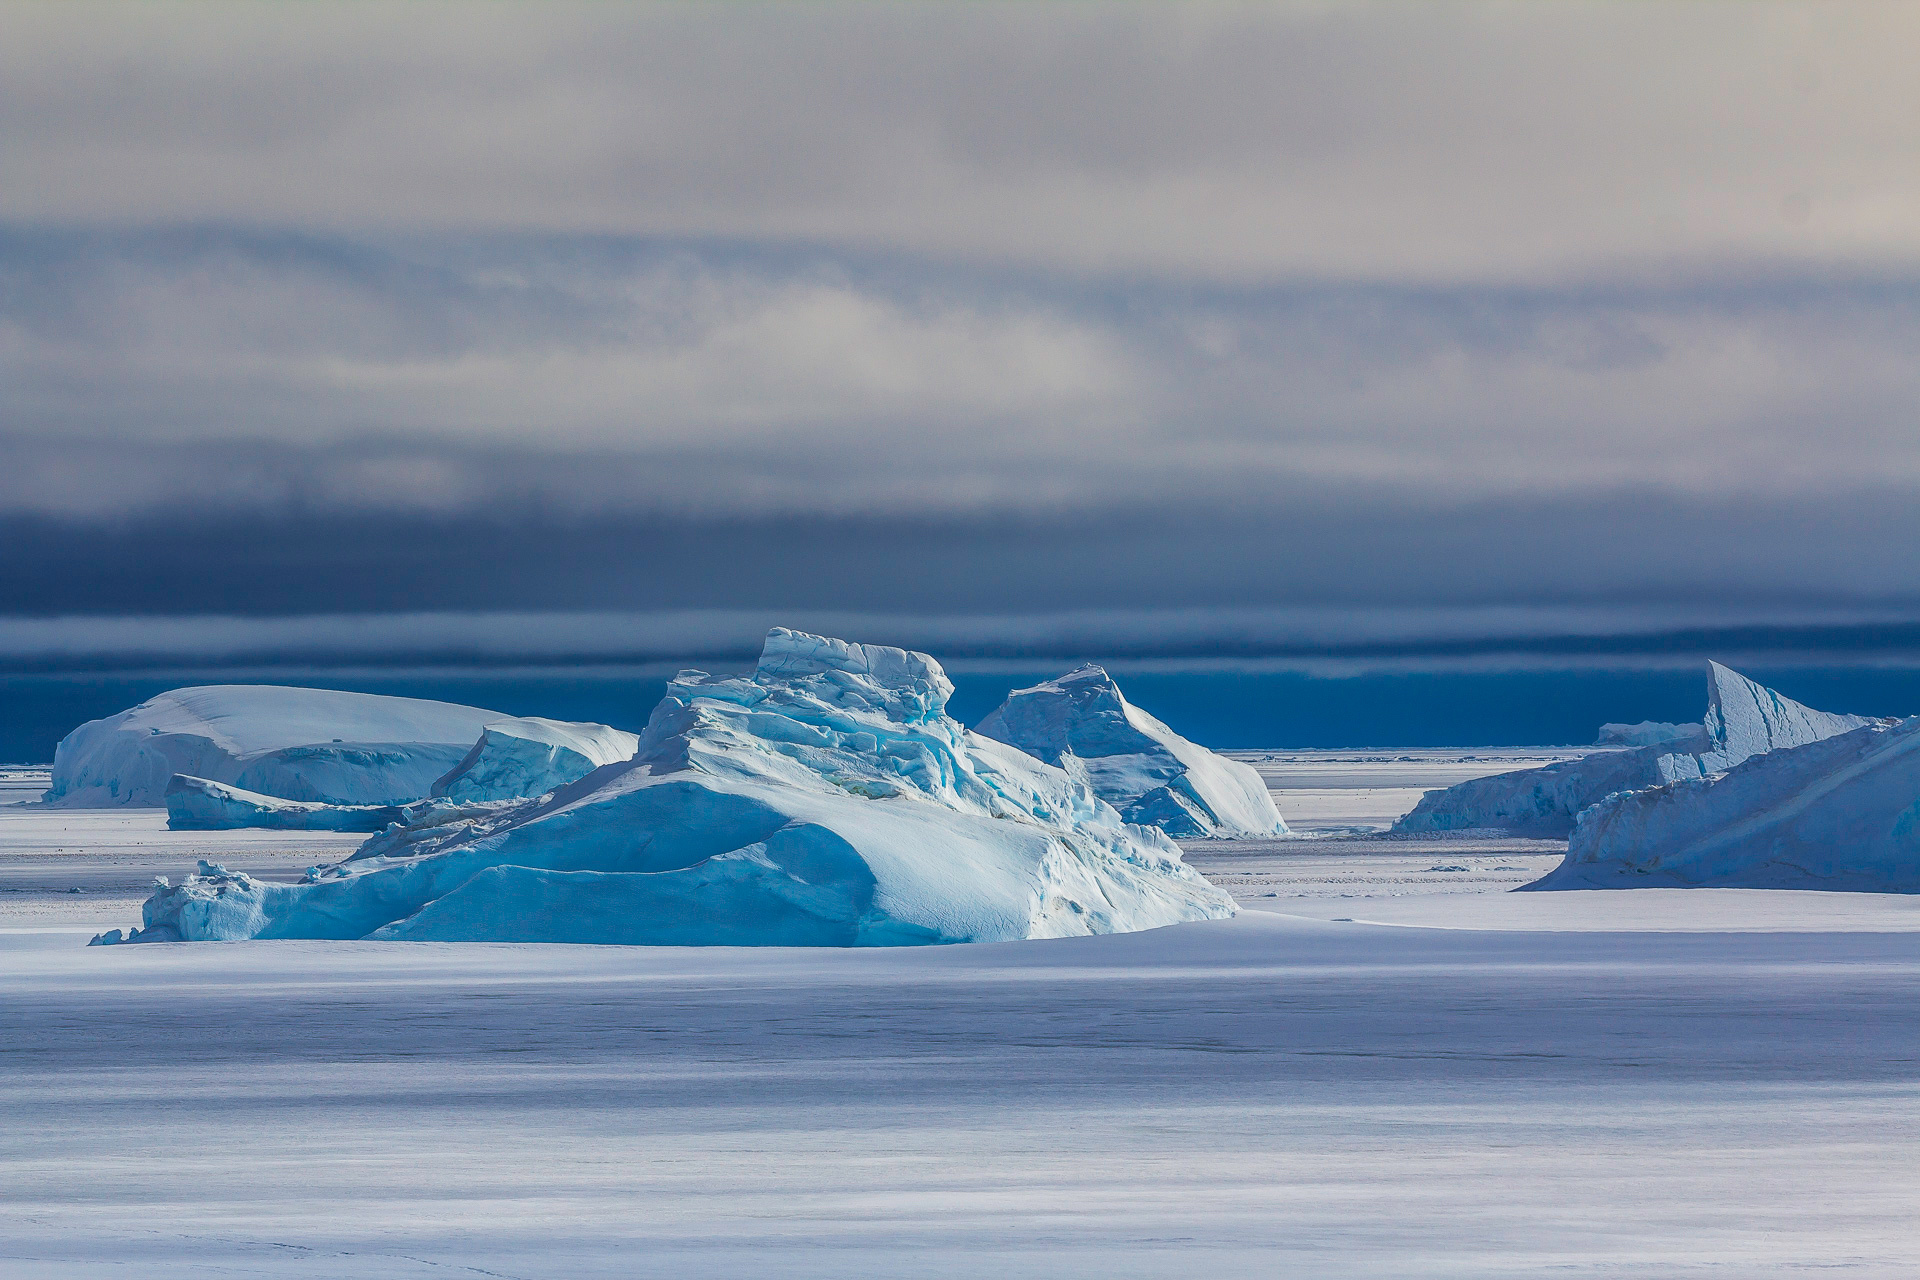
x=1839, y=813
x=297, y=744
x=828, y=800
x=197, y=804
x=1743, y=719
x=1082, y=723
x=531, y=755
x=1525, y=1092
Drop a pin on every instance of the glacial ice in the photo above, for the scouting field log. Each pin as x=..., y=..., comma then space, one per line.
x=827, y=799
x=200, y=804
x=1842, y=812
x=531, y=756
x=1653, y=733
x=1082, y=723
x=317, y=745
x=1743, y=719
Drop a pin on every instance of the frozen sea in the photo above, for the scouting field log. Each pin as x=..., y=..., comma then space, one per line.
x=1387, y=1066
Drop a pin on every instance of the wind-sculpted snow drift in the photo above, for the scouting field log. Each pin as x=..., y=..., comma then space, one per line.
x=1743, y=720
x=828, y=799
x=1082, y=723
x=1839, y=813
x=532, y=756
x=316, y=745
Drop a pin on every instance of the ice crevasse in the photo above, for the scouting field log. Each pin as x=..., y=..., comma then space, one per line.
x=1153, y=776
x=827, y=799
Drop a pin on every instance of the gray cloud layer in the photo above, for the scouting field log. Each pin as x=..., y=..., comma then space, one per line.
x=1381, y=141
x=996, y=307
x=248, y=371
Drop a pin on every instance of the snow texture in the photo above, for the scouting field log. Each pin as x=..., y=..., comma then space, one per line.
x=531, y=756
x=827, y=800
x=1839, y=813
x=1082, y=723
x=197, y=804
x=1743, y=720
x=1653, y=733
x=318, y=745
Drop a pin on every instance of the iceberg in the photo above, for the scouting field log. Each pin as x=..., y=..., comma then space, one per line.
x=1653, y=733
x=1082, y=723
x=531, y=756
x=200, y=804
x=825, y=800
x=317, y=745
x=1839, y=813
x=1743, y=719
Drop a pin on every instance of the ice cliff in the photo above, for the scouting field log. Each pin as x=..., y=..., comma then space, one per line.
x=316, y=745
x=1743, y=720
x=827, y=799
x=1082, y=723
x=1839, y=813
x=532, y=756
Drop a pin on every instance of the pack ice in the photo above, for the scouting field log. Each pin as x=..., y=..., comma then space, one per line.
x=1082, y=723
x=827, y=799
x=1839, y=813
x=316, y=745
x=1743, y=719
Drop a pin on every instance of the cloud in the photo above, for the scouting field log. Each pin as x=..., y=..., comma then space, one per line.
x=1233, y=142
x=247, y=371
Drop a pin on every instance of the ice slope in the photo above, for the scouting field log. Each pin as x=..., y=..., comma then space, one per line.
x=828, y=799
x=531, y=756
x=197, y=804
x=1743, y=719
x=1839, y=813
x=319, y=745
x=1082, y=723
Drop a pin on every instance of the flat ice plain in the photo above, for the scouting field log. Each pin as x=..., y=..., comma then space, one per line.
x=1387, y=1066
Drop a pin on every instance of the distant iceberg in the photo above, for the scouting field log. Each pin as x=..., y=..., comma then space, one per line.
x=531, y=756
x=1082, y=723
x=1654, y=733
x=1839, y=813
x=200, y=804
x=317, y=745
x=1743, y=719
x=826, y=800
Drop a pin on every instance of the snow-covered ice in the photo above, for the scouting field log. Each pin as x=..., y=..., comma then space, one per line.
x=826, y=800
x=530, y=756
x=1839, y=813
x=199, y=804
x=1082, y=723
x=1652, y=733
x=317, y=745
x=1743, y=719
x=1729, y=1088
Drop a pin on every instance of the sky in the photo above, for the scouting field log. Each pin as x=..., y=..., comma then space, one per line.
x=1513, y=312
